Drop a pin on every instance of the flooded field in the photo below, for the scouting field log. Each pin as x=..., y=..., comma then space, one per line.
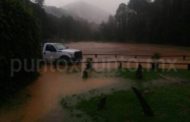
x=130, y=52
x=127, y=48
x=46, y=93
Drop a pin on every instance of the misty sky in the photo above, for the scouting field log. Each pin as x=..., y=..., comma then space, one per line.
x=108, y=5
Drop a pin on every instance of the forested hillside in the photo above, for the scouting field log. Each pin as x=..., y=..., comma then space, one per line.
x=159, y=21
x=63, y=26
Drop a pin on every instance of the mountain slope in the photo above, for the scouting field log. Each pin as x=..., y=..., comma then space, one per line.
x=87, y=11
x=58, y=12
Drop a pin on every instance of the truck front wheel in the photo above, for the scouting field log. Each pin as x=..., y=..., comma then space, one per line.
x=64, y=60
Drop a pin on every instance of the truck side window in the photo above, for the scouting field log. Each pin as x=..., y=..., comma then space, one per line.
x=50, y=48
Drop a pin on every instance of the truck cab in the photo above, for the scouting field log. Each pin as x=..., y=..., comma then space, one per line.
x=57, y=51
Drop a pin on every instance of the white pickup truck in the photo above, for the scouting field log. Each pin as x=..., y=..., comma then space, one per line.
x=56, y=51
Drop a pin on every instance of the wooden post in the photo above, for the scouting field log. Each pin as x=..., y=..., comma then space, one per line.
x=146, y=108
x=120, y=66
x=184, y=58
x=139, y=72
x=188, y=67
x=96, y=55
x=89, y=64
x=116, y=56
x=155, y=66
x=85, y=74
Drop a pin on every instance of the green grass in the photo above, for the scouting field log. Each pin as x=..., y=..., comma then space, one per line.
x=131, y=74
x=169, y=103
x=183, y=74
x=149, y=75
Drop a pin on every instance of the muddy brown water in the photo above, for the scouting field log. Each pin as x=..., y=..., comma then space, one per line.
x=46, y=92
x=127, y=48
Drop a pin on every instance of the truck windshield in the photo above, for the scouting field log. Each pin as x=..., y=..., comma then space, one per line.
x=60, y=46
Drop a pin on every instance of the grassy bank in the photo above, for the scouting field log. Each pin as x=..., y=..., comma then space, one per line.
x=169, y=103
x=149, y=75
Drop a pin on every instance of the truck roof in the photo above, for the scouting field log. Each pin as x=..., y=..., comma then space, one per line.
x=52, y=43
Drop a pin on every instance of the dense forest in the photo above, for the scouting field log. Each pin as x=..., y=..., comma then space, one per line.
x=25, y=25
x=158, y=21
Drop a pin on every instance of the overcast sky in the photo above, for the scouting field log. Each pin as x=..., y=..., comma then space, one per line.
x=108, y=5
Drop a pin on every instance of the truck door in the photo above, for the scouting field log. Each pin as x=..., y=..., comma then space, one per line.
x=50, y=53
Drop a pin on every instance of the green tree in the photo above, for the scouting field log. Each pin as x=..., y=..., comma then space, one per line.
x=123, y=16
